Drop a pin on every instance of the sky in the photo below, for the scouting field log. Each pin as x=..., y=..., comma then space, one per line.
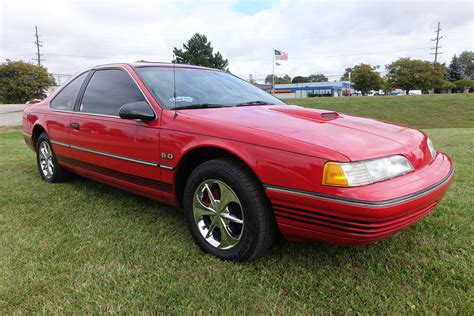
x=319, y=36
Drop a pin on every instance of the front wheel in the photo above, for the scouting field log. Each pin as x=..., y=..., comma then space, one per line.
x=227, y=211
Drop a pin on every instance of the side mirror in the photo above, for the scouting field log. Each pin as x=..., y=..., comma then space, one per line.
x=140, y=110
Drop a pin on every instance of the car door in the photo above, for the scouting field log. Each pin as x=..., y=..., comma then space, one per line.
x=58, y=120
x=121, y=152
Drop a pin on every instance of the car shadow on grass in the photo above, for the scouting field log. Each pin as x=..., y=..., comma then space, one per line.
x=150, y=212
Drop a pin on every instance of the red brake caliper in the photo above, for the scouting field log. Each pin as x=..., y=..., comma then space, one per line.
x=215, y=194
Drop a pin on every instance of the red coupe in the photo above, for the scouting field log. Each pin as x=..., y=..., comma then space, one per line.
x=241, y=163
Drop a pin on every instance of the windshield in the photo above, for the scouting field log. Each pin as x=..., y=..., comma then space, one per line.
x=201, y=88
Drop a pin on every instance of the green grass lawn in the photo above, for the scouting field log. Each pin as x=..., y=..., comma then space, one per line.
x=426, y=111
x=83, y=247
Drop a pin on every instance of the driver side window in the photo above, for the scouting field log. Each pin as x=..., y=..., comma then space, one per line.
x=108, y=90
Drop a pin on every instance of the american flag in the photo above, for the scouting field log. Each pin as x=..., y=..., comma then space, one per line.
x=279, y=55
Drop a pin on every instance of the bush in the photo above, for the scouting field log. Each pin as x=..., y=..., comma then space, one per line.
x=464, y=84
x=20, y=82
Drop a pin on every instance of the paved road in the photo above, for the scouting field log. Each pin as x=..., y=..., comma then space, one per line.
x=10, y=114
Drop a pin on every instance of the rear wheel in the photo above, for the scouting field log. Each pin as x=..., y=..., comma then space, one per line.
x=227, y=211
x=48, y=166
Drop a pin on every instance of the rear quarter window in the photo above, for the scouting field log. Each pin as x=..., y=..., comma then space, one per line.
x=65, y=99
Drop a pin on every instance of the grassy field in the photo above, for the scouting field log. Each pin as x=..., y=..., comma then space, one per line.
x=83, y=247
x=427, y=111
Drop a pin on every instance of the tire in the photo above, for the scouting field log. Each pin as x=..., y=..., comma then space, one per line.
x=49, y=168
x=238, y=196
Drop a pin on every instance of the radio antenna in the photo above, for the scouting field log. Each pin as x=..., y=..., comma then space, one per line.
x=174, y=85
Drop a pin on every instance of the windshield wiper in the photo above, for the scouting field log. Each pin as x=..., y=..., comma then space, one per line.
x=250, y=103
x=198, y=106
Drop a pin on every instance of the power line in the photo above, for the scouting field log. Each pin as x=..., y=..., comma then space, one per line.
x=78, y=56
x=264, y=58
x=38, y=45
x=436, y=53
x=246, y=58
x=336, y=56
x=256, y=58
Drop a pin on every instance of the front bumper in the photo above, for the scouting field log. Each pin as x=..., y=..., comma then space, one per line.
x=307, y=216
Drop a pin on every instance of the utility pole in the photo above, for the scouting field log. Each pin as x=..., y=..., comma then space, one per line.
x=38, y=45
x=436, y=53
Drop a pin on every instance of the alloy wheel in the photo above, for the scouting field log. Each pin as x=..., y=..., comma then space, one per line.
x=46, y=159
x=218, y=214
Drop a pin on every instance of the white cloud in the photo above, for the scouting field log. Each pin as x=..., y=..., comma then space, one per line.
x=320, y=36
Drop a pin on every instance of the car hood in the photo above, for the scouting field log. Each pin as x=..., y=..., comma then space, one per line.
x=354, y=137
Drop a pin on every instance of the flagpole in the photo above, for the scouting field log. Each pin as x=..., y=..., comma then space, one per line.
x=273, y=75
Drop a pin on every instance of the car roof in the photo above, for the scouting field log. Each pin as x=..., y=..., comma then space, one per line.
x=155, y=64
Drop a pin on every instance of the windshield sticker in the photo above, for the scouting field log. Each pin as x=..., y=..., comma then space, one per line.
x=182, y=99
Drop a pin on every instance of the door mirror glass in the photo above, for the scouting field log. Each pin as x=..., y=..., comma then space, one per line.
x=140, y=110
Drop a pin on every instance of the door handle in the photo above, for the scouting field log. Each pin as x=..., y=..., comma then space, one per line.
x=74, y=126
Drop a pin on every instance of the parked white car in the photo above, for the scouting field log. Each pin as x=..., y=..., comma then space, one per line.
x=373, y=93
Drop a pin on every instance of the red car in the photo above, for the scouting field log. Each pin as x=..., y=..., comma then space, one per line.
x=241, y=163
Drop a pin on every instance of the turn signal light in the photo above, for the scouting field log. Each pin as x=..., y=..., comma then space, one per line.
x=334, y=175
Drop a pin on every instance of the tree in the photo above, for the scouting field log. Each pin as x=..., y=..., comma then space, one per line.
x=310, y=78
x=454, y=71
x=198, y=51
x=299, y=79
x=269, y=79
x=466, y=63
x=446, y=85
x=409, y=74
x=21, y=81
x=465, y=84
x=345, y=76
x=385, y=85
x=317, y=78
x=365, y=78
x=284, y=79
x=252, y=81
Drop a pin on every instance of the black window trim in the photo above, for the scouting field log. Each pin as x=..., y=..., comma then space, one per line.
x=83, y=89
x=181, y=66
x=62, y=88
x=86, y=83
x=173, y=66
x=178, y=66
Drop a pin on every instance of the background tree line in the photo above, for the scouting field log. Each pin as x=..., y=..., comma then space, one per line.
x=297, y=79
x=405, y=73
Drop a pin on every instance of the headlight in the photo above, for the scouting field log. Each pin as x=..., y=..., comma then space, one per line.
x=353, y=174
x=432, y=148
